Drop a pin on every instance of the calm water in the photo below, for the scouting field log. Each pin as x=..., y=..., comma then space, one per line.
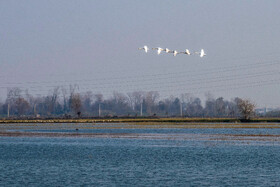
x=33, y=161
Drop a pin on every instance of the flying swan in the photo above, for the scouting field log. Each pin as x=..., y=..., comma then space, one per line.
x=201, y=53
x=145, y=48
x=159, y=50
x=187, y=52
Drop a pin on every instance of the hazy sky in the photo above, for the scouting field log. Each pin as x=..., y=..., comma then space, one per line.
x=94, y=44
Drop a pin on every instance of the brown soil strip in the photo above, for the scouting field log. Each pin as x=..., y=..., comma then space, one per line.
x=183, y=136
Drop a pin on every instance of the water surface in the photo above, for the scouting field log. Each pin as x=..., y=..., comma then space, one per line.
x=125, y=161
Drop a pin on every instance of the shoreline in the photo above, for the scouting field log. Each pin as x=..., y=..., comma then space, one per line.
x=133, y=125
x=143, y=120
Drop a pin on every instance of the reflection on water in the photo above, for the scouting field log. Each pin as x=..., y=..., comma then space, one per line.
x=198, y=157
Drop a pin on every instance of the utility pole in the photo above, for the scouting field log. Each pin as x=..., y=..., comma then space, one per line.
x=181, y=109
x=99, y=111
x=8, y=110
x=141, y=109
x=35, y=109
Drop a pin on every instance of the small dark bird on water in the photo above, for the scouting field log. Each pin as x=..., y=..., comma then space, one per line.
x=77, y=129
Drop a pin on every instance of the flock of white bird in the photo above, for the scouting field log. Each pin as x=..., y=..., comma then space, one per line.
x=159, y=50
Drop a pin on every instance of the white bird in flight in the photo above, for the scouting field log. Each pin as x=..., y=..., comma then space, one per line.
x=175, y=53
x=145, y=48
x=201, y=53
x=159, y=50
x=167, y=50
x=187, y=52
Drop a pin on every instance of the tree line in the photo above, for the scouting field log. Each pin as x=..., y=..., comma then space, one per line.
x=69, y=103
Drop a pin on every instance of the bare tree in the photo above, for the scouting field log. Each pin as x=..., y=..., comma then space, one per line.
x=135, y=99
x=73, y=88
x=166, y=105
x=246, y=108
x=150, y=100
x=65, y=99
x=21, y=105
x=87, y=102
x=13, y=94
x=220, y=106
x=194, y=108
x=210, y=107
x=51, y=100
x=74, y=99
x=131, y=100
x=186, y=97
x=119, y=103
x=1, y=108
x=76, y=104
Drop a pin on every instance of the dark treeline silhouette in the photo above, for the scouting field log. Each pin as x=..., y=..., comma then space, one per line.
x=61, y=102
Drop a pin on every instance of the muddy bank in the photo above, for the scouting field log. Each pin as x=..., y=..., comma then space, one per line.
x=183, y=136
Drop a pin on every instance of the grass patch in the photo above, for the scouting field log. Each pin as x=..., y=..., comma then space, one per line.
x=144, y=120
